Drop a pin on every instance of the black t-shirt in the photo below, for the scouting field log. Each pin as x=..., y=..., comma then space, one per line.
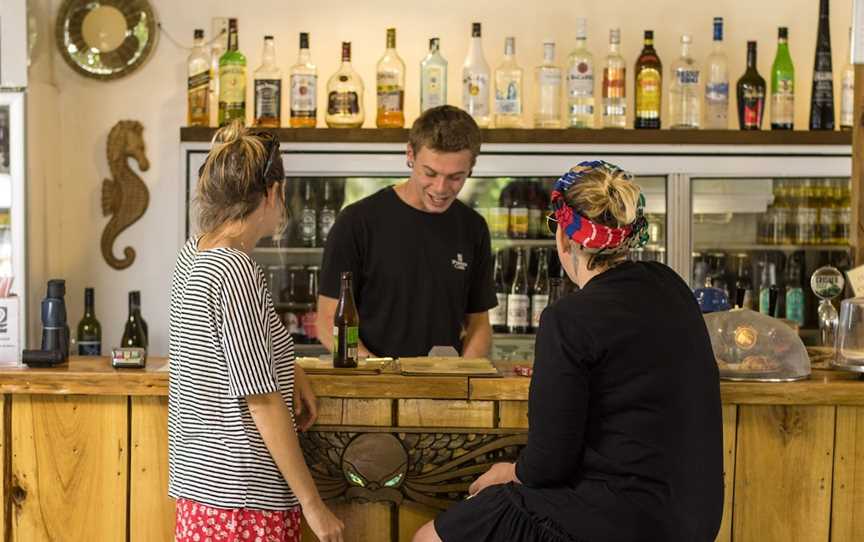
x=416, y=274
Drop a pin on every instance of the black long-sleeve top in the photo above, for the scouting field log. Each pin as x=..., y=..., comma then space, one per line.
x=626, y=393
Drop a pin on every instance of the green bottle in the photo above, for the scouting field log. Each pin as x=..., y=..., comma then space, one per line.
x=794, y=294
x=89, y=328
x=232, y=80
x=782, y=85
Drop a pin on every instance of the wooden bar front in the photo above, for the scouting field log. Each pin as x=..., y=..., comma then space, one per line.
x=85, y=452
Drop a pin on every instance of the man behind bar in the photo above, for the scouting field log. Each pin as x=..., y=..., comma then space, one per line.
x=421, y=259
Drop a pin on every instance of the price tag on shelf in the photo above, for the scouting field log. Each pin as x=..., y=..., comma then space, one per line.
x=856, y=280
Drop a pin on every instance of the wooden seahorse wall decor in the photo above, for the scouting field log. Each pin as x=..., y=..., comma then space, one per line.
x=125, y=198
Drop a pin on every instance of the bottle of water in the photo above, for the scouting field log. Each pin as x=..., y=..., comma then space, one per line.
x=717, y=83
x=684, y=110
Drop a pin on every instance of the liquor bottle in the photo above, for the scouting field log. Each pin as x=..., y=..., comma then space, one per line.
x=268, y=88
x=518, y=223
x=782, y=85
x=198, y=83
x=346, y=327
x=309, y=217
x=304, y=88
x=535, y=210
x=614, y=84
x=540, y=295
x=475, y=80
x=141, y=317
x=794, y=293
x=717, y=83
x=327, y=216
x=134, y=334
x=499, y=215
x=847, y=91
x=217, y=49
x=345, y=94
x=751, y=93
x=580, y=80
x=498, y=315
x=518, y=302
x=232, y=80
x=744, y=282
x=844, y=212
x=822, y=96
x=508, y=89
x=684, y=100
x=433, y=77
x=827, y=221
x=89, y=328
x=390, y=79
x=768, y=279
x=547, y=78
x=649, y=85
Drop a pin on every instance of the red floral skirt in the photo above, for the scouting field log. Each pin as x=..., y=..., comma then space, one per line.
x=201, y=523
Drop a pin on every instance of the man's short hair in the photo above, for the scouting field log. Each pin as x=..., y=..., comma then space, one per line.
x=445, y=129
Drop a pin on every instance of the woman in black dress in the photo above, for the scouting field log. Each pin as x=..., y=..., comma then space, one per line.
x=625, y=430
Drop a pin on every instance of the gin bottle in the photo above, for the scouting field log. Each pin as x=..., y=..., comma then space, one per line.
x=508, y=89
x=547, y=78
x=433, y=78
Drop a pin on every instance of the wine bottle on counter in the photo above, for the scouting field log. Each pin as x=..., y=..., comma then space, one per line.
x=518, y=302
x=346, y=327
x=134, y=334
x=822, y=97
x=89, y=328
x=540, y=296
x=498, y=315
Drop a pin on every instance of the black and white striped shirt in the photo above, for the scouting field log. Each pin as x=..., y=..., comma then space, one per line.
x=226, y=342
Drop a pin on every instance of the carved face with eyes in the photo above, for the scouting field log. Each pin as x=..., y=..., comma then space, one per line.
x=375, y=465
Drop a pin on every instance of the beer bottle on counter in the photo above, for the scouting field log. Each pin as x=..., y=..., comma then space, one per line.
x=498, y=315
x=346, y=327
x=309, y=217
x=518, y=302
x=540, y=296
x=134, y=335
x=327, y=216
x=89, y=328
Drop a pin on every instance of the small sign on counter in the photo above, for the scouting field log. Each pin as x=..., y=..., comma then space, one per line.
x=10, y=349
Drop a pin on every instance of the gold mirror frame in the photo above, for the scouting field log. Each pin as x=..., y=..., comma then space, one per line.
x=131, y=45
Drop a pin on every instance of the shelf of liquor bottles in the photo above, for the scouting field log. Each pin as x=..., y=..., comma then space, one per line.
x=193, y=134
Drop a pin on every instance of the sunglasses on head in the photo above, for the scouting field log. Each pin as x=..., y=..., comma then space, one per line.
x=551, y=222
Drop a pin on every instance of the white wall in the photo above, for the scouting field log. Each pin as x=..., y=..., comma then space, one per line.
x=70, y=116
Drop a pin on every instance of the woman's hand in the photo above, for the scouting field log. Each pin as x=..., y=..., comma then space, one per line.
x=326, y=526
x=499, y=473
x=305, y=402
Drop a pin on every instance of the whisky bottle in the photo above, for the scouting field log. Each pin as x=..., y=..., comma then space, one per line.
x=268, y=88
x=390, y=79
x=547, y=79
x=580, y=81
x=649, y=85
x=782, y=85
x=198, y=83
x=717, y=83
x=345, y=94
x=433, y=77
x=475, y=80
x=232, y=80
x=304, y=88
x=508, y=89
x=822, y=96
x=614, y=84
x=751, y=93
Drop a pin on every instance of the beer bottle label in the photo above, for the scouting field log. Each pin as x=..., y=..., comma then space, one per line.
x=89, y=348
x=518, y=310
x=795, y=305
x=519, y=222
x=327, y=218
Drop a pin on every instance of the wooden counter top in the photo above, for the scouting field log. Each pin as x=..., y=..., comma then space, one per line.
x=95, y=376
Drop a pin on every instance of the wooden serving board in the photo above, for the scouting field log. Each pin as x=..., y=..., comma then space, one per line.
x=448, y=366
x=320, y=366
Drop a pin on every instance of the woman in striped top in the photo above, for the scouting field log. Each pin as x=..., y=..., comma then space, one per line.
x=235, y=464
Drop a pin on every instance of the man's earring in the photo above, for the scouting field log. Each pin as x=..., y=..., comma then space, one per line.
x=410, y=164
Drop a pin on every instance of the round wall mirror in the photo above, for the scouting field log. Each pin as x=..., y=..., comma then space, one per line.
x=105, y=39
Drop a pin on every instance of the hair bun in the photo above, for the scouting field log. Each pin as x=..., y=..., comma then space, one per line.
x=230, y=133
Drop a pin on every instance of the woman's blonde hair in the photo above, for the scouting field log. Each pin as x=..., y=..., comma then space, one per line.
x=606, y=196
x=239, y=170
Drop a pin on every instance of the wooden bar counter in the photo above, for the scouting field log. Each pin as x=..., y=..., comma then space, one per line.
x=85, y=452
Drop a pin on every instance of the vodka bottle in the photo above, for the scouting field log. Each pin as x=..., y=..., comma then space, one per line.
x=547, y=77
x=684, y=89
x=508, y=89
x=717, y=83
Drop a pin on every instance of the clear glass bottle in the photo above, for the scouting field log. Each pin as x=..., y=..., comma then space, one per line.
x=649, y=86
x=508, y=89
x=547, y=79
x=782, y=85
x=268, y=88
x=198, y=83
x=232, y=80
x=717, y=83
x=684, y=102
x=847, y=91
x=614, y=84
x=580, y=80
x=475, y=80
x=345, y=94
x=390, y=84
x=304, y=88
x=433, y=77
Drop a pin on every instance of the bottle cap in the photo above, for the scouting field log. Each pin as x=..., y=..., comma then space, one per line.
x=475, y=30
x=268, y=37
x=686, y=38
x=649, y=34
x=783, y=33
x=56, y=288
x=199, y=34
x=581, y=28
x=304, y=40
x=615, y=36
